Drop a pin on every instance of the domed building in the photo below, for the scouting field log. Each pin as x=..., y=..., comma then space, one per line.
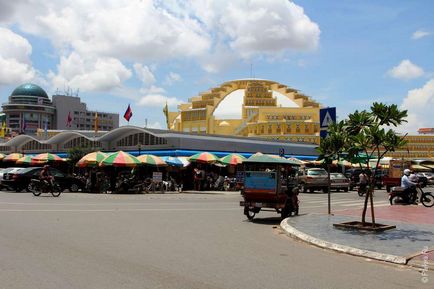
x=28, y=109
x=250, y=108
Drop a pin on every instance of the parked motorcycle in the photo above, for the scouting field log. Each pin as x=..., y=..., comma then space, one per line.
x=128, y=185
x=37, y=187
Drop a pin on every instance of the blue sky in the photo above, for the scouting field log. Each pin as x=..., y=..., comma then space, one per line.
x=342, y=53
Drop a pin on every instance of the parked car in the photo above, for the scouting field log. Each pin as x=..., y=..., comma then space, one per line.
x=313, y=179
x=20, y=179
x=429, y=177
x=5, y=171
x=339, y=182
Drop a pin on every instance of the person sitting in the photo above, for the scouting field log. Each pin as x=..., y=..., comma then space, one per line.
x=409, y=187
x=46, y=178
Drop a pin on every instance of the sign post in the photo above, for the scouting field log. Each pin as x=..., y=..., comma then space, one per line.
x=327, y=116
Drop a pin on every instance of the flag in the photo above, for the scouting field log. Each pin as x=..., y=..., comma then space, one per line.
x=166, y=114
x=3, y=131
x=46, y=128
x=96, y=122
x=24, y=126
x=68, y=120
x=128, y=113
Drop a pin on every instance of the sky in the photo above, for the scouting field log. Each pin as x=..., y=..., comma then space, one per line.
x=346, y=54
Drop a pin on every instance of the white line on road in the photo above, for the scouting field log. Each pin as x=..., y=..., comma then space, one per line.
x=117, y=210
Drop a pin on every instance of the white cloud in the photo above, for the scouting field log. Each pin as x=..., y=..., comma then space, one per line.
x=144, y=73
x=155, y=124
x=419, y=103
x=157, y=100
x=254, y=26
x=15, y=64
x=406, y=70
x=172, y=77
x=89, y=73
x=420, y=34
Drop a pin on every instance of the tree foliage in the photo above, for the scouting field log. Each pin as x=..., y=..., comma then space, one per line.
x=363, y=136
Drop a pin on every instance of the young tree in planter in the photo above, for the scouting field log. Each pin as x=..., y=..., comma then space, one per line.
x=331, y=148
x=368, y=138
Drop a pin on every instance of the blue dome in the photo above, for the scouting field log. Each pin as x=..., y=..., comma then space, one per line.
x=29, y=89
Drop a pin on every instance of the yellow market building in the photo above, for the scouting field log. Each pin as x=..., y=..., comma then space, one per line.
x=268, y=110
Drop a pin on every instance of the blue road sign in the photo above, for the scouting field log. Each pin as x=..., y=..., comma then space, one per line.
x=327, y=116
x=323, y=133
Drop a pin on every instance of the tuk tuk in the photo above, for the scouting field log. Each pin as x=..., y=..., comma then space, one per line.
x=270, y=183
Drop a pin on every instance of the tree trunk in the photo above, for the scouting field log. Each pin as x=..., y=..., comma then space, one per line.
x=371, y=192
x=365, y=208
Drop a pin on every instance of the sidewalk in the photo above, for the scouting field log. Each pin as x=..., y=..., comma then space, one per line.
x=412, y=242
x=212, y=192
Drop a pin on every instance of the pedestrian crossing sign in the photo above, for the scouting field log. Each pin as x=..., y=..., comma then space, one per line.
x=327, y=116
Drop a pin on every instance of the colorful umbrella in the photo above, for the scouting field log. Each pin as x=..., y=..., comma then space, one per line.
x=176, y=161
x=91, y=159
x=28, y=160
x=232, y=159
x=48, y=157
x=204, y=157
x=2, y=156
x=151, y=160
x=295, y=160
x=261, y=158
x=120, y=159
x=13, y=157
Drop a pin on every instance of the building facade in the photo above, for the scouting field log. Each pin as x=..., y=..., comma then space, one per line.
x=29, y=110
x=80, y=117
x=154, y=141
x=418, y=147
x=261, y=116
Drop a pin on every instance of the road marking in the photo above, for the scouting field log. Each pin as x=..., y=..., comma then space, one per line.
x=117, y=210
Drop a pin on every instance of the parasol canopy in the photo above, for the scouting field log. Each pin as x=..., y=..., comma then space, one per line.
x=151, y=160
x=91, y=159
x=181, y=162
x=295, y=160
x=261, y=158
x=120, y=159
x=232, y=159
x=204, y=157
x=47, y=157
x=13, y=157
x=2, y=156
x=28, y=160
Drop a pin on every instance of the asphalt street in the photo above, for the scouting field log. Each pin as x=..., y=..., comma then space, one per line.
x=173, y=241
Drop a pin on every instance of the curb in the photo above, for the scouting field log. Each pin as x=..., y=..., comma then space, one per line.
x=293, y=232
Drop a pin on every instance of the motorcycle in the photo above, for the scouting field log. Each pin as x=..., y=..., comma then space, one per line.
x=37, y=187
x=230, y=184
x=128, y=185
x=397, y=196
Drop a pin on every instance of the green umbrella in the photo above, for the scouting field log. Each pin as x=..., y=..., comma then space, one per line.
x=261, y=158
x=91, y=159
x=120, y=159
x=204, y=157
x=232, y=159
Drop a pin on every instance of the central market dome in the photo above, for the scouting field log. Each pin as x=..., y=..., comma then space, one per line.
x=29, y=89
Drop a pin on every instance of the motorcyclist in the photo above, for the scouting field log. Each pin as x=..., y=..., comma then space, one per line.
x=409, y=187
x=46, y=178
x=363, y=181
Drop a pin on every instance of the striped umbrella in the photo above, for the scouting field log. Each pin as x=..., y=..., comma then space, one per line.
x=232, y=159
x=120, y=159
x=2, y=156
x=295, y=160
x=151, y=160
x=176, y=161
x=28, y=160
x=47, y=157
x=91, y=159
x=204, y=157
x=13, y=157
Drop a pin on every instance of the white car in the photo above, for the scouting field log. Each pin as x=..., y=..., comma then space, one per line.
x=7, y=170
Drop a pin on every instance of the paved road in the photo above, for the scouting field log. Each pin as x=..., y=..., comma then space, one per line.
x=171, y=241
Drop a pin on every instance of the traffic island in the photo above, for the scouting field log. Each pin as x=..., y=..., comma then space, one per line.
x=365, y=227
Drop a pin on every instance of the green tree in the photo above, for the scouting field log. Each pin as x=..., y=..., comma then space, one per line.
x=365, y=135
x=75, y=154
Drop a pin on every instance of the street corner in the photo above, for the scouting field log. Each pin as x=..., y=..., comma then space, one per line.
x=423, y=260
x=395, y=246
x=411, y=214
